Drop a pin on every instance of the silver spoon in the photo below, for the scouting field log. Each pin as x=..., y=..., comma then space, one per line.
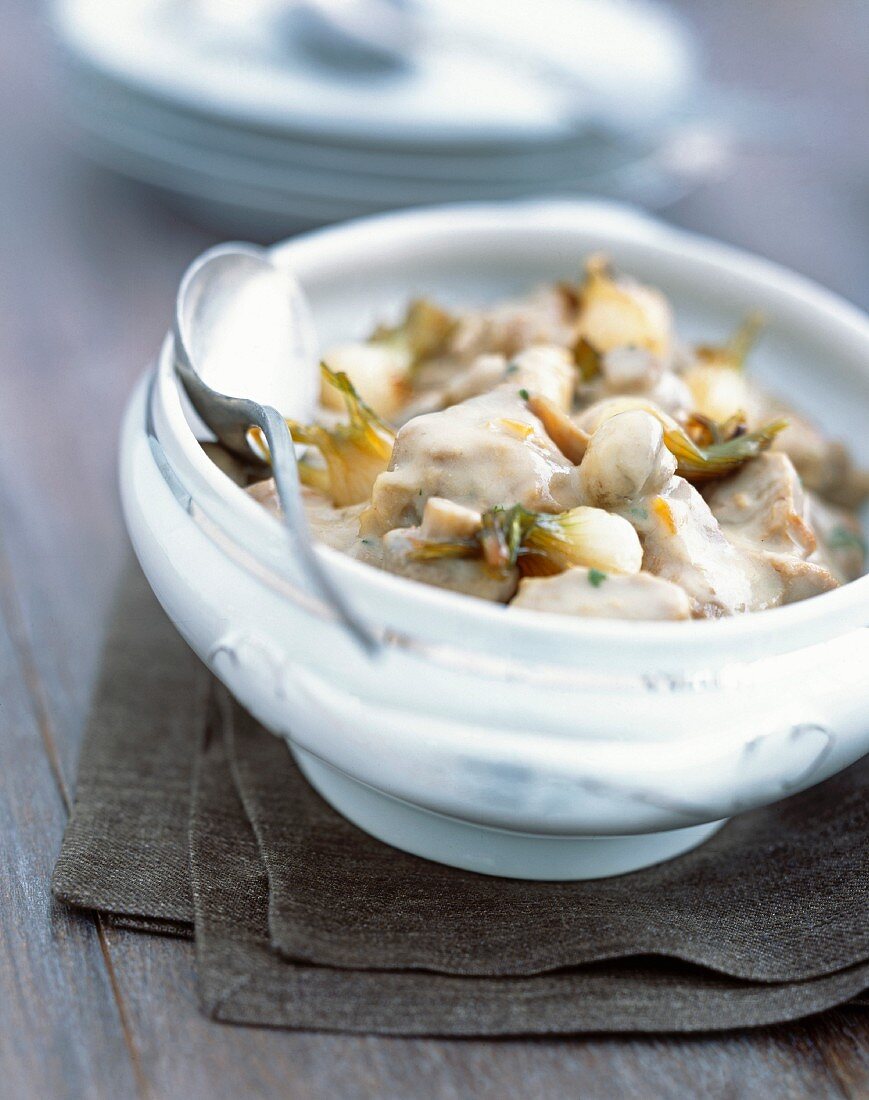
x=240, y=321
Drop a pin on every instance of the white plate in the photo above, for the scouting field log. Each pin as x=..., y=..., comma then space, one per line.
x=246, y=196
x=360, y=191
x=248, y=206
x=627, y=62
x=104, y=99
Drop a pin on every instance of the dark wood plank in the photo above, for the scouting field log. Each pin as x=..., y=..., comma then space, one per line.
x=88, y=267
x=61, y=1033
x=843, y=1040
x=158, y=987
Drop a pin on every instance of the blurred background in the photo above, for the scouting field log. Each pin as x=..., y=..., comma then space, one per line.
x=136, y=133
x=261, y=118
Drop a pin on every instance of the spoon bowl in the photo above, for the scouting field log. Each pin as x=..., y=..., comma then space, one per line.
x=246, y=326
x=244, y=342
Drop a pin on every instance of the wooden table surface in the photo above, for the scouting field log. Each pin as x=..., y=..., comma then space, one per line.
x=88, y=268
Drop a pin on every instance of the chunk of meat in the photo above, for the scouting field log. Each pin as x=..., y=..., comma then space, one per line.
x=630, y=370
x=547, y=316
x=442, y=383
x=486, y=451
x=594, y=595
x=841, y=542
x=336, y=527
x=467, y=575
x=444, y=519
x=784, y=578
x=266, y=494
x=825, y=466
x=764, y=506
x=683, y=543
x=625, y=461
x=545, y=370
x=671, y=395
x=628, y=469
x=636, y=371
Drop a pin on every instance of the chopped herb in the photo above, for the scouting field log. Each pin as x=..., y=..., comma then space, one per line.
x=596, y=578
x=843, y=538
x=511, y=368
x=524, y=394
x=639, y=513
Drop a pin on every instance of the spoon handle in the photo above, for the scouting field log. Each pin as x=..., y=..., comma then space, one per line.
x=286, y=474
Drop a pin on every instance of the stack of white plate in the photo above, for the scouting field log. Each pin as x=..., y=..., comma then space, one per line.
x=272, y=115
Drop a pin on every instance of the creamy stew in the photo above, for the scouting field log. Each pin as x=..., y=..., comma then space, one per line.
x=568, y=452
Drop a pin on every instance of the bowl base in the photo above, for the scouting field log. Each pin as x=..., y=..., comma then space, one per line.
x=491, y=851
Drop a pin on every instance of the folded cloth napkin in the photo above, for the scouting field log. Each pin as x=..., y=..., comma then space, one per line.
x=190, y=816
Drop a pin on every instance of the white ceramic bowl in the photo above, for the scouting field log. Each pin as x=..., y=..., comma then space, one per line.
x=513, y=742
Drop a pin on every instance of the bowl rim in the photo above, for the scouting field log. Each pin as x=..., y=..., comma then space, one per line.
x=449, y=615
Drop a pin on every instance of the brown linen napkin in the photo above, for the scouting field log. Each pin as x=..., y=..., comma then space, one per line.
x=780, y=894
x=784, y=899
x=242, y=980
x=125, y=849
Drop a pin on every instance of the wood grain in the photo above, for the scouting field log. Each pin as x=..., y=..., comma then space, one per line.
x=88, y=266
x=158, y=987
x=61, y=1032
